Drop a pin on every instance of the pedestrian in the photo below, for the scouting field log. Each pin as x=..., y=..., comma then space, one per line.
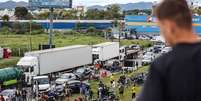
x=175, y=75
x=91, y=93
x=133, y=91
x=24, y=94
x=111, y=78
x=113, y=87
x=2, y=98
x=18, y=95
x=87, y=94
x=67, y=89
x=121, y=90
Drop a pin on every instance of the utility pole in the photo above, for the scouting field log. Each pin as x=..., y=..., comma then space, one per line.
x=30, y=31
x=51, y=27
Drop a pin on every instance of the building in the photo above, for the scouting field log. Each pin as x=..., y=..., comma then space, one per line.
x=147, y=24
x=69, y=24
x=9, y=12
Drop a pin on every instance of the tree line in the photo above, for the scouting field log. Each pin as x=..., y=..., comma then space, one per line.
x=109, y=13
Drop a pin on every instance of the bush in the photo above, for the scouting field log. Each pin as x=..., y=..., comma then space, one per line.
x=71, y=33
x=22, y=28
x=5, y=31
x=91, y=29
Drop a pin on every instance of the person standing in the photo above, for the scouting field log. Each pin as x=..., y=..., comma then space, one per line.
x=2, y=98
x=18, y=95
x=176, y=75
x=111, y=78
x=113, y=86
x=121, y=90
x=133, y=91
x=24, y=95
x=67, y=91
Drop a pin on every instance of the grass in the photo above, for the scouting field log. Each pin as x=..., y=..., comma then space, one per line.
x=22, y=41
x=127, y=94
x=9, y=62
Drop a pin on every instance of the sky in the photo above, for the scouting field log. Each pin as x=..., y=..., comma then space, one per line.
x=97, y=2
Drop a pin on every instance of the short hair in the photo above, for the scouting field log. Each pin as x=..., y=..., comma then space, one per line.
x=175, y=10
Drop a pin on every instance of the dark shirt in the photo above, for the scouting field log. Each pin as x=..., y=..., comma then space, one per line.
x=175, y=76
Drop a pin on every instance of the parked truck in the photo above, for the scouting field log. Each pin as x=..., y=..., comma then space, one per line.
x=43, y=62
x=10, y=76
x=105, y=51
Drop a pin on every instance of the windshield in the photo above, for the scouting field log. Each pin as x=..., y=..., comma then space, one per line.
x=66, y=76
x=80, y=70
x=42, y=81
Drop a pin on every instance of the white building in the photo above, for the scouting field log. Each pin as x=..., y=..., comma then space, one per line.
x=10, y=13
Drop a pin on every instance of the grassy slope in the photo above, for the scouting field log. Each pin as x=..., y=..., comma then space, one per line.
x=8, y=62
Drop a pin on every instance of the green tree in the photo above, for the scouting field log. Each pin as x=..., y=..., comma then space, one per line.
x=197, y=10
x=6, y=18
x=43, y=15
x=113, y=11
x=91, y=29
x=95, y=14
x=21, y=12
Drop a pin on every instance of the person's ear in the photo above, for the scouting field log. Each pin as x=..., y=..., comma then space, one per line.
x=170, y=26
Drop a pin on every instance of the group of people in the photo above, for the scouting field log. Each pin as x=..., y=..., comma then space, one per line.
x=20, y=95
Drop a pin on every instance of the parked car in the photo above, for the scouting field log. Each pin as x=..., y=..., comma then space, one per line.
x=65, y=78
x=136, y=47
x=8, y=94
x=148, y=58
x=74, y=85
x=83, y=73
x=166, y=49
x=128, y=69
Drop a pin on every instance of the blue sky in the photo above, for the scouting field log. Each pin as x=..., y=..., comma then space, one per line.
x=97, y=2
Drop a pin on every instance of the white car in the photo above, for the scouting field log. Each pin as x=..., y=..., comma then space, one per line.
x=65, y=78
x=166, y=50
x=148, y=58
x=130, y=69
x=8, y=94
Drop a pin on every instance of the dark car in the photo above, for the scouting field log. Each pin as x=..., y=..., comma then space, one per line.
x=83, y=73
x=74, y=85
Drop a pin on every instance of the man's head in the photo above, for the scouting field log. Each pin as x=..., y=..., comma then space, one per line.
x=174, y=18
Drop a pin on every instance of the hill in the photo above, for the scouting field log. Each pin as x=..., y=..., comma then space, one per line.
x=12, y=4
x=129, y=6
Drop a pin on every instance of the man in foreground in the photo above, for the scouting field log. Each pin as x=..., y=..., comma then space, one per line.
x=175, y=76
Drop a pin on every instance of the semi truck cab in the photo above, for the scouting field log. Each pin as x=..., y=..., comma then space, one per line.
x=29, y=65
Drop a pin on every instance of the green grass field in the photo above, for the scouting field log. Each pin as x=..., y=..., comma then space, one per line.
x=9, y=62
x=22, y=41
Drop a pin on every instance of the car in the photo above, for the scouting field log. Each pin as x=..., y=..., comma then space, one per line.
x=74, y=85
x=166, y=50
x=136, y=47
x=148, y=58
x=83, y=73
x=65, y=78
x=8, y=94
x=129, y=69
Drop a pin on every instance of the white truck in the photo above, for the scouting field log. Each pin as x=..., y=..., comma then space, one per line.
x=105, y=51
x=54, y=60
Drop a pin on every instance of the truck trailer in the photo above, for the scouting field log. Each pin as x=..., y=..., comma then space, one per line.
x=54, y=60
x=105, y=51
